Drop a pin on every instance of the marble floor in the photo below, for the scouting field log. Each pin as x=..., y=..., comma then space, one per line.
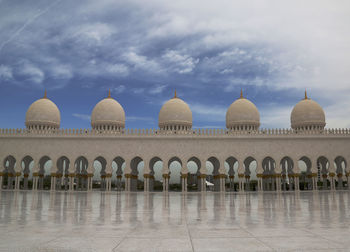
x=99, y=221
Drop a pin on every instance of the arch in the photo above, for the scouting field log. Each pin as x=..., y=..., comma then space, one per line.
x=136, y=181
x=268, y=166
x=99, y=165
x=305, y=179
x=193, y=167
x=156, y=179
x=215, y=178
x=250, y=173
x=322, y=171
x=175, y=168
x=340, y=170
x=287, y=172
x=63, y=164
x=81, y=173
x=118, y=166
x=27, y=166
x=45, y=165
x=232, y=163
x=9, y=171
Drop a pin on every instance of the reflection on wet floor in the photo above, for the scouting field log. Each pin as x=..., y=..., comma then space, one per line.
x=59, y=216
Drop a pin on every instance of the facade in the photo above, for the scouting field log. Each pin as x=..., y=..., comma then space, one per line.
x=275, y=153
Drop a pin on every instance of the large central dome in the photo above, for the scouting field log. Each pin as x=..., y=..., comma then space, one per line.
x=108, y=114
x=242, y=115
x=43, y=114
x=175, y=114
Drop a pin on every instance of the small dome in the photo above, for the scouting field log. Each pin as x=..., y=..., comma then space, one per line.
x=108, y=113
x=175, y=113
x=307, y=114
x=242, y=113
x=43, y=113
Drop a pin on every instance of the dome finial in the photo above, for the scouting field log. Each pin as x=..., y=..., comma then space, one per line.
x=305, y=94
x=175, y=96
x=109, y=93
x=45, y=94
x=241, y=94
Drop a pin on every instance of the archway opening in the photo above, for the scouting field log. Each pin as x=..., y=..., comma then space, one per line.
x=193, y=178
x=136, y=181
x=268, y=181
x=340, y=170
x=27, y=166
x=231, y=166
x=305, y=177
x=156, y=178
x=287, y=178
x=118, y=167
x=9, y=172
x=81, y=173
x=45, y=165
x=62, y=173
x=213, y=176
x=250, y=165
x=322, y=172
x=175, y=166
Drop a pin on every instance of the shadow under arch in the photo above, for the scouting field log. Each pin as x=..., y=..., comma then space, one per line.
x=27, y=166
x=81, y=173
x=340, y=169
x=322, y=171
x=45, y=165
x=135, y=182
x=305, y=176
x=215, y=178
x=232, y=165
x=62, y=173
x=250, y=173
x=194, y=178
x=9, y=171
x=175, y=169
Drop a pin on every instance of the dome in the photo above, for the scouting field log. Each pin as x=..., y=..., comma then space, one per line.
x=307, y=114
x=43, y=113
x=242, y=114
x=108, y=114
x=175, y=113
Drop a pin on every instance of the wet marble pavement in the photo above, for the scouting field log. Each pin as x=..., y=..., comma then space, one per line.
x=98, y=221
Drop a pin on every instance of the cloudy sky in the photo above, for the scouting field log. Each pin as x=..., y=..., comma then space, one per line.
x=143, y=50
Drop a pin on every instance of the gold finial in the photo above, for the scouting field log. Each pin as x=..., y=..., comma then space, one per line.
x=306, y=95
x=109, y=93
x=45, y=94
x=175, y=94
x=241, y=94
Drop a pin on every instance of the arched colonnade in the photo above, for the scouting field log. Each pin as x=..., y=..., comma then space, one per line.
x=209, y=173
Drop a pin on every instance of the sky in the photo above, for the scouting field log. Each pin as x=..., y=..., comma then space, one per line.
x=143, y=50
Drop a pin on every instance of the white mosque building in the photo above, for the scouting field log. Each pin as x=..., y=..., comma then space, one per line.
x=241, y=157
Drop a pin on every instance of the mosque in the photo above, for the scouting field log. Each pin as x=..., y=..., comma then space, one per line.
x=241, y=157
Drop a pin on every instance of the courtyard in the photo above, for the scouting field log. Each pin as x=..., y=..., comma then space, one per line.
x=111, y=221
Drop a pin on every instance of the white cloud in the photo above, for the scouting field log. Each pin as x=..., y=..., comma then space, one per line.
x=31, y=72
x=181, y=64
x=61, y=71
x=119, y=70
x=82, y=116
x=5, y=72
x=120, y=89
x=208, y=113
x=157, y=89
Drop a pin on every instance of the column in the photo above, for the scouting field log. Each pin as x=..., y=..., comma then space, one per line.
x=35, y=180
x=108, y=181
x=340, y=181
x=166, y=182
x=127, y=182
x=17, y=182
x=222, y=182
x=71, y=181
x=314, y=181
x=296, y=181
x=1, y=177
x=119, y=182
x=52, y=187
x=146, y=178
x=278, y=182
x=202, y=178
x=331, y=178
x=90, y=176
x=184, y=182
x=241, y=182
x=66, y=181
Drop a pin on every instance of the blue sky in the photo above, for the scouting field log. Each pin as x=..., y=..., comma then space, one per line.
x=143, y=50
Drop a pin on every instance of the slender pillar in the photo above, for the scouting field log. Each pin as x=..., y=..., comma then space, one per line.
x=332, y=181
x=108, y=181
x=278, y=182
x=184, y=182
x=146, y=178
x=71, y=181
x=241, y=182
x=296, y=181
x=90, y=176
x=35, y=180
x=1, y=177
x=119, y=182
x=202, y=179
x=53, y=182
x=166, y=182
x=17, y=181
x=66, y=182
x=314, y=181
x=324, y=177
x=340, y=181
